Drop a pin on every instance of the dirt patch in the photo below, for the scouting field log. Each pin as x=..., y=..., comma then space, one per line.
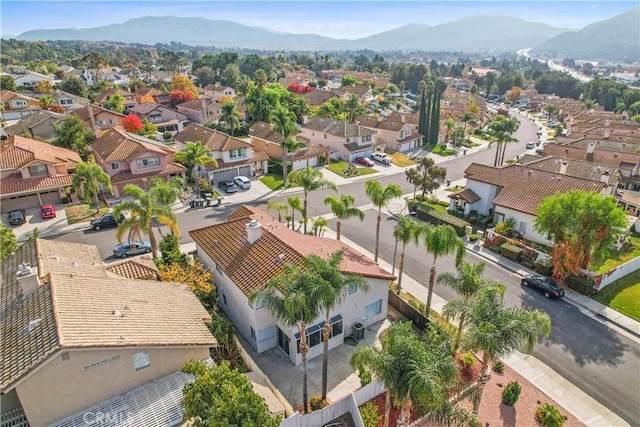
x=83, y=212
x=394, y=413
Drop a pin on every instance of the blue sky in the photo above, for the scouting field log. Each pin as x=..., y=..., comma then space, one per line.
x=338, y=19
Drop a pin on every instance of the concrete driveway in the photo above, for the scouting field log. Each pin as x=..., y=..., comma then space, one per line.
x=34, y=220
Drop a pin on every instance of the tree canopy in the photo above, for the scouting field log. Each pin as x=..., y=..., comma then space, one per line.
x=8, y=241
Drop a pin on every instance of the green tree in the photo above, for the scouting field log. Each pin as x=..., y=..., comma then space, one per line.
x=192, y=156
x=551, y=109
x=427, y=176
x=116, y=103
x=46, y=101
x=380, y=197
x=449, y=123
x=71, y=135
x=405, y=231
x=295, y=204
x=8, y=241
x=171, y=253
x=221, y=396
x=343, y=208
x=7, y=83
x=467, y=118
x=468, y=282
x=283, y=123
x=349, y=80
x=167, y=192
x=279, y=207
x=230, y=115
x=292, y=299
x=502, y=130
x=585, y=223
x=74, y=85
x=87, y=180
x=441, y=240
x=310, y=179
x=352, y=105
x=335, y=288
x=497, y=331
x=144, y=210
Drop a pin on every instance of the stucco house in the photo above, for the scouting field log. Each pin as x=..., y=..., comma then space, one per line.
x=164, y=118
x=94, y=117
x=81, y=343
x=31, y=79
x=234, y=156
x=265, y=139
x=16, y=106
x=199, y=110
x=346, y=141
x=69, y=101
x=251, y=248
x=132, y=159
x=38, y=125
x=34, y=173
x=397, y=136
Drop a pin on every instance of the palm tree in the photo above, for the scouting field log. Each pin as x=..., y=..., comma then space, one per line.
x=449, y=123
x=230, y=115
x=441, y=240
x=465, y=118
x=351, y=106
x=497, y=331
x=326, y=111
x=292, y=299
x=167, y=192
x=318, y=225
x=381, y=197
x=145, y=208
x=336, y=288
x=279, y=207
x=46, y=101
x=192, y=156
x=589, y=103
x=87, y=180
x=283, y=123
x=342, y=209
x=501, y=130
x=551, y=109
x=310, y=179
x=295, y=203
x=407, y=230
x=468, y=282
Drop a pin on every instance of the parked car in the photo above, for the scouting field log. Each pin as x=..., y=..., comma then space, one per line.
x=17, y=217
x=365, y=161
x=134, y=247
x=242, y=182
x=544, y=284
x=106, y=221
x=382, y=158
x=530, y=145
x=228, y=186
x=47, y=211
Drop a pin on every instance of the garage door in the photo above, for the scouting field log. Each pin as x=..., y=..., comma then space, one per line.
x=51, y=197
x=20, y=202
x=232, y=173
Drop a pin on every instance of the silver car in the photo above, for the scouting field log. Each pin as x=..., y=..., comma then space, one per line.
x=242, y=182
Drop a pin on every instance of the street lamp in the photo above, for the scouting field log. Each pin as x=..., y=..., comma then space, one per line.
x=395, y=251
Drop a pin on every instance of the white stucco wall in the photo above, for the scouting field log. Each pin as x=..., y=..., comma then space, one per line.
x=527, y=219
x=487, y=194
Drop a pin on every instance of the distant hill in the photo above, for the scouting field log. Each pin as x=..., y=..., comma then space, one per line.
x=617, y=38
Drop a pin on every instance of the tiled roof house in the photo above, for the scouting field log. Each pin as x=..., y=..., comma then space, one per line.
x=346, y=141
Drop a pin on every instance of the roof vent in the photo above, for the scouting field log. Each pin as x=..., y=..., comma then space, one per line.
x=116, y=313
x=280, y=258
x=32, y=324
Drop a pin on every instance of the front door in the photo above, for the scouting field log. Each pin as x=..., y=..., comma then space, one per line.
x=283, y=341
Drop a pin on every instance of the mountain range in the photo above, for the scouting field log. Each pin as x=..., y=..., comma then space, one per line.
x=610, y=39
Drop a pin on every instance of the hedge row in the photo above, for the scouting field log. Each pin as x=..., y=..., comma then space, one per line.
x=436, y=217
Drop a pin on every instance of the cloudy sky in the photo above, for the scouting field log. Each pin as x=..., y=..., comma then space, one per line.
x=337, y=19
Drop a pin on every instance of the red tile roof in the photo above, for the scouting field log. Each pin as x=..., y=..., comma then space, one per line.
x=212, y=139
x=18, y=151
x=117, y=145
x=126, y=175
x=15, y=183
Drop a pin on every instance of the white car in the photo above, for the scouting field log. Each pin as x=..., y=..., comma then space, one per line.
x=382, y=158
x=242, y=182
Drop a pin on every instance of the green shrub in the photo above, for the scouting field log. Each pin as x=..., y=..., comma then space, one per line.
x=543, y=267
x=582, y=284
x=494, y=248
x=166, y=136
x=498, y=366
x=364, y=375
x=316, y=403
x=467, y=360
x=433, y=216
x=205, y=187
x=443, y=203
x=511, y=393
x=549, y=416
x=527, y=263
x=65, y=200
x=510, y=251
x=473, y=237
x=371, y=417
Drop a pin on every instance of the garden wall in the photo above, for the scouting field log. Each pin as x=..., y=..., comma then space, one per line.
x=618, y=273
x=418, y=319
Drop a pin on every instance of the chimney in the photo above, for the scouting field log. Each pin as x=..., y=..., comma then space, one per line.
x=563, y=167
x=607, y=133
x=91, y=116
x=97, y=131
x=305, y=119
x=590, y=150
x=605, y=177
x=28, y=279
x=254, y=231
x=204, y=108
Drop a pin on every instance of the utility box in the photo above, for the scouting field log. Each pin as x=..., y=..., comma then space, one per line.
x=358, y=331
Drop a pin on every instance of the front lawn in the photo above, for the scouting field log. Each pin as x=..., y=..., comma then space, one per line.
x=623, y=295
x=273, y=181
x=441, y=150
x=401, y=160
x=83, y=212
x=617, y=258
x=347, y=170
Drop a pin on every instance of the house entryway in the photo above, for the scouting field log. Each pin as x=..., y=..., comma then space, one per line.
x=283, y=341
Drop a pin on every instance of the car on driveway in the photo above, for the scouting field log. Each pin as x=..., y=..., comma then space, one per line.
x=382, y=158
x=228, y=186
x=544, y=284
x=133, y=247
x=364, y=161
x=47, y=211
x=530, y=145
x=106, y=221
x=242, y=182
x=17, y=217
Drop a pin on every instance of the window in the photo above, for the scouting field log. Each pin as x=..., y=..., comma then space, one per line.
x=141, y=360
x=110, y=121
x=348, y=140
x=353, y=288
x=101, y=122
x=266, y=143
x=239, y=152
x=66, y=101
x=325, y=136
x=336, y=325
x=224, y=299
x=155, y=118
x=148, y=162
x=20, y=103
x=266, y=334
x=37, y=170
x=253, y=333
x=373, y=309
x=259, y=304
x=115, y=166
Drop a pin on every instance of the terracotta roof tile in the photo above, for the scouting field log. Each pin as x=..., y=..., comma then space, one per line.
x=607, y=157
x=14, y=183
x=465, y=194
x=265, y=131
x=258, y=156
x=116, y=145
x=577, y=168
x=134, y=269
x=336, y=127
x=126, y=175
x=18, y=151
x=85, y=115
x=212, y=139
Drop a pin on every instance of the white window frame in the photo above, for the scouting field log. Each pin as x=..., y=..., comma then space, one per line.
x=19, y=103
x=372, y=309
x=37, y=169
x=266, y=333
x=140, y=163
x=141, y=361
x=115, y=166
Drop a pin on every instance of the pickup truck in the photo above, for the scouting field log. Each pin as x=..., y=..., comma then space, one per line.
x=382, y=158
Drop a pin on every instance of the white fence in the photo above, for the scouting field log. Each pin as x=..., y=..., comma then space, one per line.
x=619, y=272
x=348, y=403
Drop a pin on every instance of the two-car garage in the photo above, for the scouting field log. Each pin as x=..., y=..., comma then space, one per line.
x=26, y=201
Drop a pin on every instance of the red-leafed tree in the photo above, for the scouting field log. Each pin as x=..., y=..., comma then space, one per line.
x=132, y=123
x=296, y=88
x=179, y=96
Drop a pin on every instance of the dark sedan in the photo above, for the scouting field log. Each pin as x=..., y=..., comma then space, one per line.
x=106, y=221
x=17, y=217
x=228, y=186
x=544, y=284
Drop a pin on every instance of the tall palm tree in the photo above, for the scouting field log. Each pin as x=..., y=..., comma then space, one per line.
x=292, y=299
x=326, y=110
x=336, y=287
x=144, y=208
x=279, y=207
x=192, y=156
x=351, y=106
x=380, y=197
x=310, y=179
x=497, y=331
x=283, y=122
x=449, y=123
x=295, y=204
x=468, y=282
x=441, y=240
x=466, y=118
x=551, y=109
x=406, y=231
x=318, y=225
x=342, y=209
x=87, y=180
x=230, y=115
x=502, y=130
